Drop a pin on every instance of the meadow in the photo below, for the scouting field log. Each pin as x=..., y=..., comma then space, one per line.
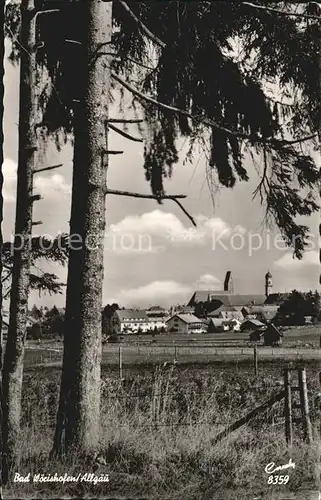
x=299, y=343
x=158, y=426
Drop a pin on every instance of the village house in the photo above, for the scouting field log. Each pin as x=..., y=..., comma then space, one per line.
x=157, y=316
x=251, y=324
x=262, y=313
x=217, y=325
x=132, y=321
x=185, y=323
x=227, y=313
x=270, y=334
x=257, y=335
x=235, y=325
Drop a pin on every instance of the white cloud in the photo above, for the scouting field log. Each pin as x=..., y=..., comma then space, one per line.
x=157, y=292
x=164, y=293
x=208, y=281
x=9, y=170
x=51, y=186
x=156, y=222
x=159, y=224
x=287, y=262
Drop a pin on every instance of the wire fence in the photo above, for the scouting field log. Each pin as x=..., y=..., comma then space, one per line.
x=125, y=355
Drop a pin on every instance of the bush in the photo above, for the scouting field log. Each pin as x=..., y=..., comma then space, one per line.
x=114, y=339
x=34, y=332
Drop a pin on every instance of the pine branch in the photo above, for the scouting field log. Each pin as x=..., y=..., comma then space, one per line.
x=113, y=152
x=205, y=121
x=49, y=11
x=142, y=195
x=118, y=58
x=297, y=141
x=173, y=197
x=184, y=210
x=281, y=12
x=124, y=134
x=142, y=26
x=120, y=120
x=38, y=170
x=261, y=185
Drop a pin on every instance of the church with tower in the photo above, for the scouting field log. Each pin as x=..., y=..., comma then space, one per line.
x=228, y=298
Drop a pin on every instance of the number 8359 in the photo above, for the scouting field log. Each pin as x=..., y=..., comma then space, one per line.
x=278, y=479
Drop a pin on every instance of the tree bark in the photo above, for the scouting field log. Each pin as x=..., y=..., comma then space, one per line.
x=14, y=352
x=2, y=6
x=78, y=419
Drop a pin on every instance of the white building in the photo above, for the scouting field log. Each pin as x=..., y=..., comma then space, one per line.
x=157, y=316
x=133, y=320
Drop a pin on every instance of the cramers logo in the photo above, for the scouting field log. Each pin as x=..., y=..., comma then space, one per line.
x=271, y=468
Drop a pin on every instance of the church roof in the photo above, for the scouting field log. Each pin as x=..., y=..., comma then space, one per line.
x=227, y=299
x=204, y=296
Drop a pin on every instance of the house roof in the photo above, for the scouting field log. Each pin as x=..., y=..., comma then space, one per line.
x=132, y=315
x=184, y=310
x=254, y=322
x=187, y=318
x=218, y=308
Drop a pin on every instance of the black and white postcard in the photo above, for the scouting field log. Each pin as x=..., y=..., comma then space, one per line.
x=160, y=214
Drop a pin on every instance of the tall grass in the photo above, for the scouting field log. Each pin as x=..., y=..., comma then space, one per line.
x=156, y=432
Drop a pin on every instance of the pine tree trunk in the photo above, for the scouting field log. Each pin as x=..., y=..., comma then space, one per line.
x=1, y=217
x=78, y=419
x=14, y=353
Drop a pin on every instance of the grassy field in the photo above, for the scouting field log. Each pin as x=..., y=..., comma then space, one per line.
x=300, y=335
x=157, y=427
x=300, y=343
x=158, y=423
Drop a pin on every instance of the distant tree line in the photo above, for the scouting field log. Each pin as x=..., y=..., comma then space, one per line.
x=297, y=307
x=48, y=323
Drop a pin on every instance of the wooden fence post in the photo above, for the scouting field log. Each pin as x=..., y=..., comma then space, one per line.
x=288, y=407
x=307, y=428
x=120, y=364
x=175, y=355
x=255, y=360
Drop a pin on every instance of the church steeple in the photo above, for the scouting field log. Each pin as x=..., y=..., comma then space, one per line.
x=268, y=284
x=228, y=282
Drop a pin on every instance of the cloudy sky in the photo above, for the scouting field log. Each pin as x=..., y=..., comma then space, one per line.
x=153, y=254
